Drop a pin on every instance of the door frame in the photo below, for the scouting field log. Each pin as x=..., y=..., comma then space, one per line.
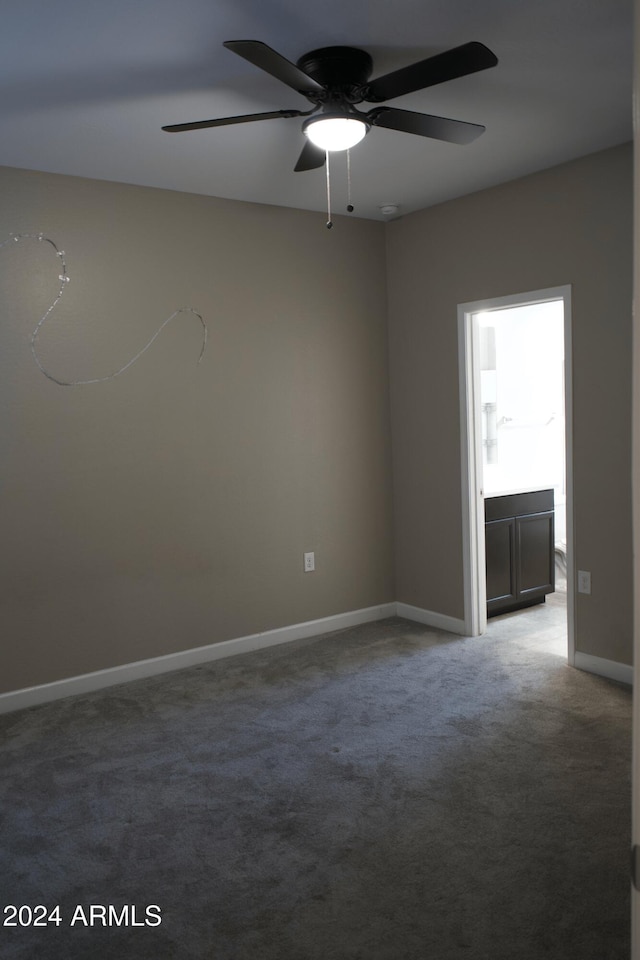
x=473, y=545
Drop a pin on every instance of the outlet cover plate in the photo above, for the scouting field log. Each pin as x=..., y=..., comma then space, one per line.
x=584, y=581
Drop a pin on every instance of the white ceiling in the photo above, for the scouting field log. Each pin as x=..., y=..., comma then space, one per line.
x=85, y=86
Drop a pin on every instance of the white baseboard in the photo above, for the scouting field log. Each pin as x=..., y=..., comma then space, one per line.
x=99, y=679
x=610, y=669
x=88, y=682
x=438, y=620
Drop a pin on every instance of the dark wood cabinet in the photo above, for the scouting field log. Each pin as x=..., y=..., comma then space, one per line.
x=520, y=557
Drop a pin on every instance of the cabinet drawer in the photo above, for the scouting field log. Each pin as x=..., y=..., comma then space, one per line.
x=518, y=504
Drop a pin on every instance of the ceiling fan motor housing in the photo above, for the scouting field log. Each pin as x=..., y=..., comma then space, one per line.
x=342, y=70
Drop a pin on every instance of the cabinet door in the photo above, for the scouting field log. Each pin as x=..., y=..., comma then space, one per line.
x=500, y=542
x=535, y=567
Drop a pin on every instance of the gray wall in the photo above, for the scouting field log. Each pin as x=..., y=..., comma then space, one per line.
x=568, y=225
x=170, y=508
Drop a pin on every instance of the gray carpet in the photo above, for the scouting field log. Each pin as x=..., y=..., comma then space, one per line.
x=382, y=793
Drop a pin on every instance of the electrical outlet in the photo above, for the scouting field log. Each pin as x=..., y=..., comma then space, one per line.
x=309, y=562
x=584, y=581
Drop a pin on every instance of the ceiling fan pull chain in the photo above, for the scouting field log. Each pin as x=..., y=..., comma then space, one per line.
x=349, y=204
x=329, y=221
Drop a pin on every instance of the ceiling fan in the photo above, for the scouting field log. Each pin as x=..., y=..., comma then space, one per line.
x=334, y=79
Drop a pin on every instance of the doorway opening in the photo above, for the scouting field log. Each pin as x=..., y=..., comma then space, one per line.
x=515, y=392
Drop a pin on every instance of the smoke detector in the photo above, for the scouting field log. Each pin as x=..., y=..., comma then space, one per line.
x=388, y=209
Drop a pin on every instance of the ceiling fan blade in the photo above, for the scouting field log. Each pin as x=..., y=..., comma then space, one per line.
x=458, y=62
x=425, y=125
x=311, y=158
x=225, y=121
x=274, y=63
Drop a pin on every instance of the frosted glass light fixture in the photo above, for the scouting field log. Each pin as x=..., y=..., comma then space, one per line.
x=335, y=133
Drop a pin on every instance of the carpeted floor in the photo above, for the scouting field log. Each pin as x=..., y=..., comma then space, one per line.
x=388, y=792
